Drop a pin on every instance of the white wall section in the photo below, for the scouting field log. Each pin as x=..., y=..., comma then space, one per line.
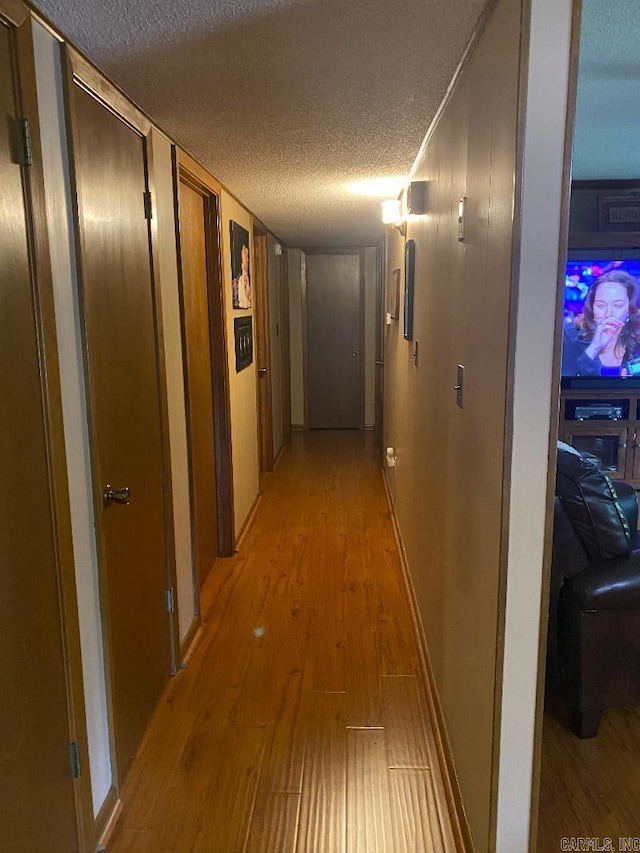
x=242, y=385
x=544, y=138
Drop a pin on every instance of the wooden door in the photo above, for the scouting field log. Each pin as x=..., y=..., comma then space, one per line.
x=199, y=375
x=334, y=340
x=285, y=343
x=122, y=367
x=381, y=328
x=263, y=351
x=37, y=808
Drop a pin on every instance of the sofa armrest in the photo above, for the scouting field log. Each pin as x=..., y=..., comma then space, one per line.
x=609, y=585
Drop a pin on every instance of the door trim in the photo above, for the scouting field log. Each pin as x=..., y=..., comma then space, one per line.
x=13, y=12
x=88, y=77
x=170, y=545
x=264, y=400
x=563, y=238
x=187, y=169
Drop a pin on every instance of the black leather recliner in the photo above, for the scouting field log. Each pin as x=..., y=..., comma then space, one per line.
x=593, y=657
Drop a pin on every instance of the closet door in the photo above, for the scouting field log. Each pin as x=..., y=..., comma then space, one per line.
x=334, y=340
x=196, y=275
x=109, y=148
x=37, y=797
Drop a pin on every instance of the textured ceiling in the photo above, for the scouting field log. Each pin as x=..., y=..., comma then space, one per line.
x=287, y=102
x=608, y=103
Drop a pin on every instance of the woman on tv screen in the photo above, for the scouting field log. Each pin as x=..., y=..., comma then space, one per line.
x=604, y=339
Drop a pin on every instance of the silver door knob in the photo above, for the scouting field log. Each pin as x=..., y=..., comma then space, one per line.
x=354, y=354
x=118, y=496
x=262, y=371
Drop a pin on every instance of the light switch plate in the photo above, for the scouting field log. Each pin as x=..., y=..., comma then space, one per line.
x=459, y=388
x=462, y=205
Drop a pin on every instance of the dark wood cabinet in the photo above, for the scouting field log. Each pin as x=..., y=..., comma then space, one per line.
x=614, y=437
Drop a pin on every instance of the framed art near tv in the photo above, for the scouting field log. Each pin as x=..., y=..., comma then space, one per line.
x=409, y=276
x=619, y=213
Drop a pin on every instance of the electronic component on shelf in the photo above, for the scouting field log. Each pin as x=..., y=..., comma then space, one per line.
x=598, y=412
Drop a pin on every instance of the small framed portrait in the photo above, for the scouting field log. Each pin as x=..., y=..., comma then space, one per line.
x=243, y=334
x=240, y=272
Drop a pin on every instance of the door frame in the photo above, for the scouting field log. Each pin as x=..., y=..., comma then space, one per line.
x=78, y=71
x=19, y=22
x=334, y=250
x=554, y=410
x=381, y=326
x=187, y=169
x=262, y=346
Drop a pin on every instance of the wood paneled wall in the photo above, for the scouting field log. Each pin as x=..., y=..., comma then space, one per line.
x=449, y=486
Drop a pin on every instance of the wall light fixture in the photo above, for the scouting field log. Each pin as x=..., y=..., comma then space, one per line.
x=392, y=214
x=391, y=211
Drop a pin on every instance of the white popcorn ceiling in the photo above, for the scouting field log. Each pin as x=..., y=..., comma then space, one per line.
x=286, y=102
x=289, y=101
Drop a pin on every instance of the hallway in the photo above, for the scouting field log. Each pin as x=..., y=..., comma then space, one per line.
x=300, y=722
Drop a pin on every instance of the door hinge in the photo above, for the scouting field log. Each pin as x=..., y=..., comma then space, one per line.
x=21, y=142
x=171, y=602
x=74, y=755
x=148, y=208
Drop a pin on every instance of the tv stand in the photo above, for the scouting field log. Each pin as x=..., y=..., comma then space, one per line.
x=606, y=423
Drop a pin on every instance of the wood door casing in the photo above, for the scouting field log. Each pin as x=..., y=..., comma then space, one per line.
x=199, y=375
x=187, y=168
x=334, y=340
x=37, y=798
x=263, y=351
x=122, y=367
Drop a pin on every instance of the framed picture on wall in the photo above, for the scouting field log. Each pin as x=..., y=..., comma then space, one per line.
x=619, y=213
x=409, y=276
x=243, y=335
x=241, y=278
x=394, y=295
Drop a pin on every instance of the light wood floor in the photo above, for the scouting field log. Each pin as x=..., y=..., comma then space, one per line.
x=300, y=722
x=590, y=788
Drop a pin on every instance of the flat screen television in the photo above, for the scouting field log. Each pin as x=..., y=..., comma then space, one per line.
x=601, y=325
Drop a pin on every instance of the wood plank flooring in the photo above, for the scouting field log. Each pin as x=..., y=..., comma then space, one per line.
x=590, y=788
x=299, y=725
